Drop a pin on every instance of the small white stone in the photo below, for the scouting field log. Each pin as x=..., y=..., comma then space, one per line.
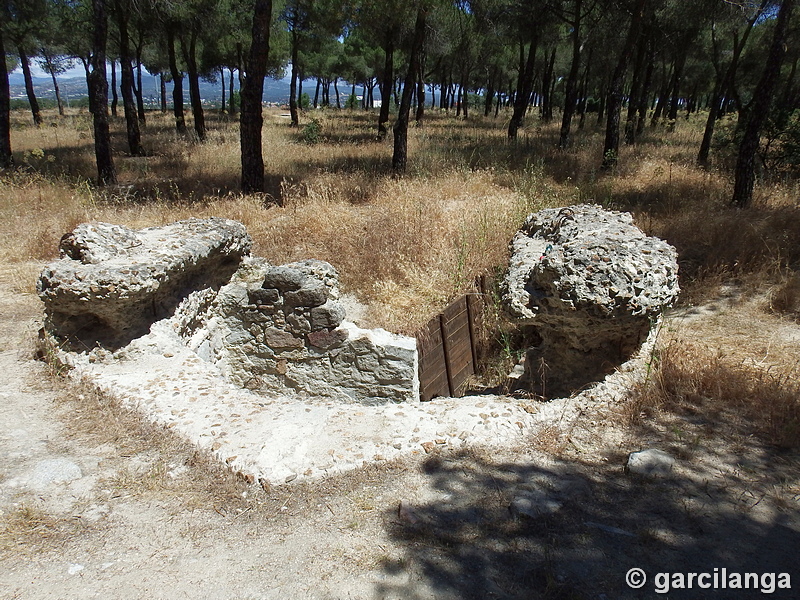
x=651, y=462
x=534, y=504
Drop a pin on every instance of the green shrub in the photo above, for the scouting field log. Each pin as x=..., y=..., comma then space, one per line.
x=312, y=131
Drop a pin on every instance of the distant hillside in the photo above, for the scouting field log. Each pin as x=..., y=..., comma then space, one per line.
x=73, y=88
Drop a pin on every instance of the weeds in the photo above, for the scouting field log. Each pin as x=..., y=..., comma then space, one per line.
x=691, y=379
x=785, y=298
x=29, y=529
x=312, y=131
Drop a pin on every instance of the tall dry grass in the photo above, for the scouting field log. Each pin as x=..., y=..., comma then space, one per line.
x=700, y=381
x=404, y=246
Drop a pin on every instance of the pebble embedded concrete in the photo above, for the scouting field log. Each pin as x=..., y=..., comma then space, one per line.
x=281, y=438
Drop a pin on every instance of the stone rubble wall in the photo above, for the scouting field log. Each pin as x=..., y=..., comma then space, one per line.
x=588, y=284
x=278, y=328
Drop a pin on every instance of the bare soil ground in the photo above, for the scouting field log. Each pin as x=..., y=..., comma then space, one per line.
x=149, y=517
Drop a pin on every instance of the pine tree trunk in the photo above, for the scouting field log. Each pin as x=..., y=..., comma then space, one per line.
x=252, y=92
x=571, y=87
x=636, y=86
x=490, y=91
x=585, y=90
x=603, y=100
x=443, y=92
x=131, y=118
x=6, y=157
x=386, y=89
x=98, y=90
x=611, y=145
x=177, y=83
x=645, y=94
x=231, y=97
x=300, y=78
x=87, y=70
x=57, y=92
x=222, y=79
x=400, y=154
x=757, y=115
x=190, y=55
x=522, y=95
x=138, y=89
x=114, y=97
x=663, y=95
x=163, y=83
x=34, y=103
x=547, y=89
x=420, y=114
x=677, y=79
x=295, y=122
x=717, y=100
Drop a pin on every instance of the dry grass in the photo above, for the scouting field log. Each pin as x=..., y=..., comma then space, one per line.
x=29, y=530
x=785, y=298
x=696, y=380
x=403, y=246
x=731, y=365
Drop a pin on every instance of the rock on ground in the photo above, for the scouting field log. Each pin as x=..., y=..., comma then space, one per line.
x=651, y=462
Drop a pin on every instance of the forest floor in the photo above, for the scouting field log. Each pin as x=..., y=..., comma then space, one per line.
x=95, y=504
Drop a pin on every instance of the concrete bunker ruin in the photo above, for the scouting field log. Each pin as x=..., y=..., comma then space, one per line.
x=585, y=284
x=258, y=364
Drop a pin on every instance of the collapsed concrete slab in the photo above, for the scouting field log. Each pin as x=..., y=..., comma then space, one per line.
x=588, y=285
x=112, y=283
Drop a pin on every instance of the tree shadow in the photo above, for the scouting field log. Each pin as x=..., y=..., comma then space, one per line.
x=584, y=529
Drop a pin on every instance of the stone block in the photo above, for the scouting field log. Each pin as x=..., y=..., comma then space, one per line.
x=328, y=316
x=651, y=462
x=326, y=340
x=263, y=296
x=321, y=271
x=284, y=278
x=112, y=283
x=312, y=294
x=587, y=284
x=281, y=340
x=298, y=323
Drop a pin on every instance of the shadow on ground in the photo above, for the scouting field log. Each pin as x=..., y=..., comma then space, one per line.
x=586, y=527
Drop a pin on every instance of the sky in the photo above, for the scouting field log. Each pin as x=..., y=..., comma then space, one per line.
x=76, y=71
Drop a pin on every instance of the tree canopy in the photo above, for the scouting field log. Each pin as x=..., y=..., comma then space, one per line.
x=629, y=63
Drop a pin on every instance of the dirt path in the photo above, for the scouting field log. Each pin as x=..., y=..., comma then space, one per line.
x=94, y=503
x=94, y=511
